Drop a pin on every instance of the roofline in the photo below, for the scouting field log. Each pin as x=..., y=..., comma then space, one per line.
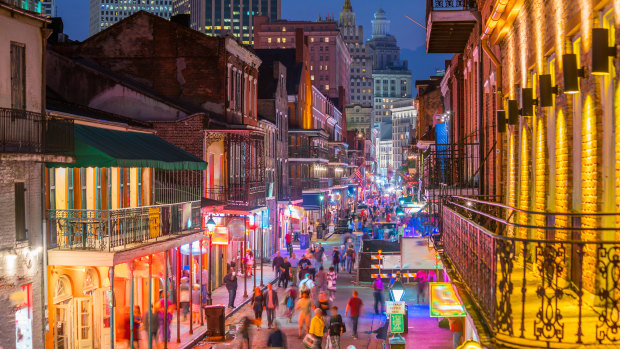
x=25, y=13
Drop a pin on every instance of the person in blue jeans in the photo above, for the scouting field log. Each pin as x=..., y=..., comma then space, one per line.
x=350, y=257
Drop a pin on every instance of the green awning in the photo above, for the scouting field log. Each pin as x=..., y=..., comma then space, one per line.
x=100, y=147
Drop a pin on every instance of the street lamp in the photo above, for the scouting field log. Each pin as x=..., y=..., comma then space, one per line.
x=321, y=197
x=397, y=292
x=210, y=230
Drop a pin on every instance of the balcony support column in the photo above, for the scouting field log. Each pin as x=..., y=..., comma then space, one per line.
x=150, y=308
x=178, y=293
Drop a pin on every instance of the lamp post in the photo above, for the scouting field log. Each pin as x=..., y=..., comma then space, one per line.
x=210, y=230
x=396, y=293
x=321, y=197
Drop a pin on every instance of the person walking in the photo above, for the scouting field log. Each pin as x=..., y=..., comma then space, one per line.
x=304, y=267
x=137, y=323
x=285, y=273
x=323, y=304
x=321, y=280
x=343, y=258
x=276, y=264
x=289, y=243
x=230, y=281
x=331, y=284
x=421, y=289
x=258, y=304
x=377, y=291
x=291, y=296
x=355, y=307
x=336, y=328
x=350, y=255
x=306, y=285
x=336, y=259
x=244, y=332
x=304, y=305
x=249, y=263
x=317, y=327
x=151, y=325
x=184, y=295
x=294, y=268
x=271, y=304
x=277, y=338
x=196, y=304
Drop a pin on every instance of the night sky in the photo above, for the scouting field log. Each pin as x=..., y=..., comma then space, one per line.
x=410, y=36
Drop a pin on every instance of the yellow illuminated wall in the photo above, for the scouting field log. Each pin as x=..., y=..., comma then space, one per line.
x=512, y=175
x=562, y=179
x=524, y=178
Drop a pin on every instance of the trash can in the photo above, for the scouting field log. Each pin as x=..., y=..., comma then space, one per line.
x=214, y=316
x=304, y=241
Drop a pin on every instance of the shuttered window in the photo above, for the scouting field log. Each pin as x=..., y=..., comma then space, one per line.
x=18, y=76
x=20, y=212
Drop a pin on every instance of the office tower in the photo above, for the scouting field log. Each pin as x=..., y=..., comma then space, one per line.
x=217, y=17
x=105, y=13
x=48, y=8
x=361, y=83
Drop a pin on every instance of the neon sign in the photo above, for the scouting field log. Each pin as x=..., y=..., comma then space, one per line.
x=443, y=300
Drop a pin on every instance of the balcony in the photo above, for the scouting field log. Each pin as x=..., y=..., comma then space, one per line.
x=452, y=166
x=120, y=229
x=531, y=276
x=24, y=132
x=307, y=152
x=449, y=24
x=299, y=185
x=248, y=195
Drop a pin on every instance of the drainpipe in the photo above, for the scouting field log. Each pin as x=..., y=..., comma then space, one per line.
x=45, y=34
x=481, y=131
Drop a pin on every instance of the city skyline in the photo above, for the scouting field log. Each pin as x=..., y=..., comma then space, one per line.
x=410, y=36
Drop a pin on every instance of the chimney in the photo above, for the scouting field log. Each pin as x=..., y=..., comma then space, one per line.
x=57, y=27
x=181, y=19
x=300, y=42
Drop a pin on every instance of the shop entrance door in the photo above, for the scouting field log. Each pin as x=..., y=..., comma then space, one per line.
x=84, y=317
x=62, y=326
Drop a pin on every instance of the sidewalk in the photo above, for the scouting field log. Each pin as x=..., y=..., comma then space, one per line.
x=220, y=297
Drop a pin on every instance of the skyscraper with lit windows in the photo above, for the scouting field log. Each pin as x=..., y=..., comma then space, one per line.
x=105, y=13
x=217, y=17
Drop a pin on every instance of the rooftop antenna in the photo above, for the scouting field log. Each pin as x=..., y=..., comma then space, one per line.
x=416, y=22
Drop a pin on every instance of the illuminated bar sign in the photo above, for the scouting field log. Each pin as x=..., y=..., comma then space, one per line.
x=443, y=300
x=220, y=236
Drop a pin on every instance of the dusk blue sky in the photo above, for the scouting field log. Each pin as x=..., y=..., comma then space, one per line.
x=410, y=36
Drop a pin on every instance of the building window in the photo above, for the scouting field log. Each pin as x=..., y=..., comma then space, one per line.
x=98, y=188
x=108, y=187
x=70, y=195
x=327, y=87
x=83, y=195
x=284, y=40
x=18, y=76
x=20, y=212
x=326, y=39
x=269, y=40
x=52, y=177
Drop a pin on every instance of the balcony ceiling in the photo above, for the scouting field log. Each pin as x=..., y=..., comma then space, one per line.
x=448, y=31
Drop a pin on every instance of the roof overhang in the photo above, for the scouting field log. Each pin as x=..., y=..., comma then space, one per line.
x=448, y=31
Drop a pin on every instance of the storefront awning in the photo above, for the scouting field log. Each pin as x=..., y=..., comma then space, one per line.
x=100, y=147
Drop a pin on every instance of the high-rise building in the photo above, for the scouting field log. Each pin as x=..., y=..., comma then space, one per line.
x=330, y=60
x=383, y=48
x=404, y=121
x=48, y=8
x=104, y=13
x=29, y=5
x=217, y=17
x=361, y=83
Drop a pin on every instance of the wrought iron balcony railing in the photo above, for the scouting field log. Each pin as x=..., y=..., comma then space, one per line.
x=307, y=152
x=251, y=194
x=117, y=229
x=451, y=165
x=538, y=279
x=298, y=185
x=28, y=132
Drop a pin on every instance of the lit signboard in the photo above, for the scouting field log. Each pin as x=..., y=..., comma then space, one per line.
x=220, y=236
x=443, y=300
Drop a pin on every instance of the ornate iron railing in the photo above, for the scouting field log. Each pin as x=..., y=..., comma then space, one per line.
x=307, y=152
x=449, y=5
x=28, y=132
x=107, y=230
x=298, y=185
x=534, y=288
x=251, y=194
